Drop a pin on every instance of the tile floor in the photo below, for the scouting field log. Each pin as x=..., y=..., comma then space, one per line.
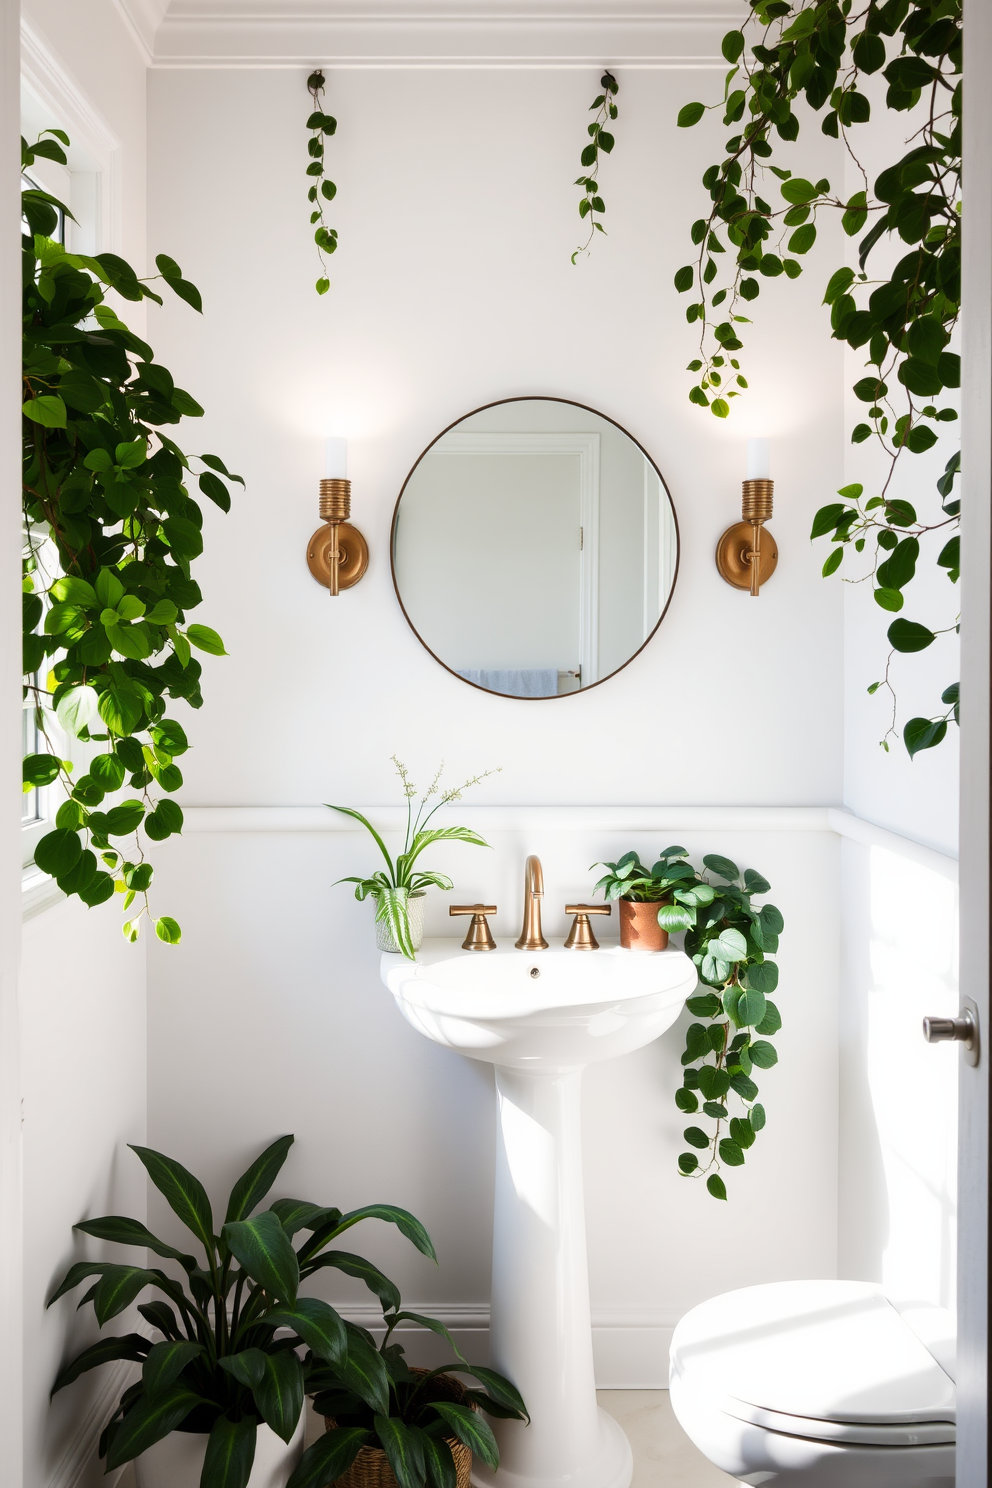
x=664, y=1457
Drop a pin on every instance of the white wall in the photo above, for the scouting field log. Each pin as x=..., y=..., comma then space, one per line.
x=82, y=1037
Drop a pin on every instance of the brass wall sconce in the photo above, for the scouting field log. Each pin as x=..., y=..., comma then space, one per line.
x=337, y=554
x=747, y=555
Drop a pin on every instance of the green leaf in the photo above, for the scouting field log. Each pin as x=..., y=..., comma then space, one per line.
x=716, y=1186
x=230, y=1453
x=763, y=1054
x=722, y=867
x=501, y=1390
x=684, y=279
x=317, y=1323
x=165, y=1362
x=833, y=563
x=732, y=45
x=696, y=1137
x=205, y=639
x=363, y=1270
x=470, y=1428
x=707, y=1006
x=147, y=1422
x=907, y=635
x=750, y=1005
x=771, y=1022
x=690, y=114
x=688, y=1163
x=889, y=599
x=686, y=1101
x=168, y=930
x=57, y=852
x=47, y=410
x=39, y=770
x=923, y=733
x=263, y=1249
x=329, y=1458
x=184, y=1194
x=363, y=1371
x=279, y=1394
x=124, y=1231
x=439, y=1463
x=166, y=819
x=258, y=1178
x=105, y=1351
x=730, y=1153
x=402, y=1446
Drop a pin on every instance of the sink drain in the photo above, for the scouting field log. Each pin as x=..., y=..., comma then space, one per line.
x=535, y=971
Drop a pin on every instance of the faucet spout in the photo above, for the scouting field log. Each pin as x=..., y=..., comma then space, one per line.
x=531, y=938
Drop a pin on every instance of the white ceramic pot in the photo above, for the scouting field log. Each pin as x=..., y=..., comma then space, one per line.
x=177, y=1460
x=415, y=910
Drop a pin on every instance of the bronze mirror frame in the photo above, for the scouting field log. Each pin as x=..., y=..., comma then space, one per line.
x=497, y=403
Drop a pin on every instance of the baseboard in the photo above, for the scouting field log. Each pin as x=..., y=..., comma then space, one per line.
x=630, y=1349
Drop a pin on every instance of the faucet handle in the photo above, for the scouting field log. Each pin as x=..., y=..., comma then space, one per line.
x=580, y=937
x=479, y=937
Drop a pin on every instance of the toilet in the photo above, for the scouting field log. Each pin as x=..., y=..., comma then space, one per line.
x=818, y=1384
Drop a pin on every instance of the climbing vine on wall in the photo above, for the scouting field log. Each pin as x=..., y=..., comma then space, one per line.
x=601, y=141
x=321, y=188
x=111, y=532
x=763, y=221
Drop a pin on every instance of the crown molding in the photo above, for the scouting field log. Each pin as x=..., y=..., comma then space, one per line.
x=432, y=33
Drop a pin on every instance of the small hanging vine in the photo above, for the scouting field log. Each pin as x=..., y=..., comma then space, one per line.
x=322, y=126
x=819, y=52
x=591, y=204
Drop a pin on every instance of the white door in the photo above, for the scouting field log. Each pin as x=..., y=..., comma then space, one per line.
x=973, y=1187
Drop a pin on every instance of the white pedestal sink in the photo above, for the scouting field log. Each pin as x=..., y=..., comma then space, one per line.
x=540, y=1017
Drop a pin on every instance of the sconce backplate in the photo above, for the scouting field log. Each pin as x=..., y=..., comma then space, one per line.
x=733, y=555
x=354, y=555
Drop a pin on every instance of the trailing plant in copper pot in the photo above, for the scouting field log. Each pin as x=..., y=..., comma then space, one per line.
x=654, y=901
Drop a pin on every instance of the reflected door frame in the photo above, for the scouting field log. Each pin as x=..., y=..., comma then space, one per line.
x=586, y=447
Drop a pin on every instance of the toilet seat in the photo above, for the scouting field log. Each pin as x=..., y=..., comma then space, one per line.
x=826, y=1361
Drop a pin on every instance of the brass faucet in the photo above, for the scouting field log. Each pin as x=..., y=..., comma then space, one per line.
x=531, y=938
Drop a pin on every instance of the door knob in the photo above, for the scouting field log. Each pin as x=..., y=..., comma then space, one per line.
x=963, y=1030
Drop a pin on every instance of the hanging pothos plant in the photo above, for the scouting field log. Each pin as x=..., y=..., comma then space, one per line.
x=601, y=139
x=321, y=189
x=902, y=319
x=110, y=533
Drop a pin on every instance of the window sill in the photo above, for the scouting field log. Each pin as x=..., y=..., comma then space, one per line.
x=39, y=892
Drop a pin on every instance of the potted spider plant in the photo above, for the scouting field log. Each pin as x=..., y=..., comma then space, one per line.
x=219, y=1403
x=397, y=1426
x=400, y=887
x=654, y=901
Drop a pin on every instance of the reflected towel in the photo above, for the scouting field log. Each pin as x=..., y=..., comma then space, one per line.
x=517, y=681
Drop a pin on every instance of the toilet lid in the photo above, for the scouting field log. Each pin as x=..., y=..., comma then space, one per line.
x=833, y=1360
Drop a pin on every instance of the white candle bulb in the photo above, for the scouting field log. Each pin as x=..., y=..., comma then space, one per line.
x=759, y=466
x=335, y=459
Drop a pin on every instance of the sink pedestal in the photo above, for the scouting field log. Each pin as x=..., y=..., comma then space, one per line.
x=540, y=1329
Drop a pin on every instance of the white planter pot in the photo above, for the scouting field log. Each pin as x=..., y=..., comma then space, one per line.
x=415, y=911
x=177, y=1460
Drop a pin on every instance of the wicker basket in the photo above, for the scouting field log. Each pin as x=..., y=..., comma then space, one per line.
x=371, y=1468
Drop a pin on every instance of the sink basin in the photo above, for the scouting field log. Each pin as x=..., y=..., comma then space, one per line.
x=552, y=1009
x=540, y=1017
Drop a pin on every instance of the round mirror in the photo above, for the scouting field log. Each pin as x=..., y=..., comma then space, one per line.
x=534, y=548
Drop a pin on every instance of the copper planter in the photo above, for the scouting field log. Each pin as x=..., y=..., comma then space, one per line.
x=639, y=928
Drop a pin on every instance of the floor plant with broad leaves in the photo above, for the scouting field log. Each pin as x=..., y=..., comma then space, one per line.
x=232, y=1322
x=900, y=315
x=110, y=533
x=408, y=1413
x=392, y=886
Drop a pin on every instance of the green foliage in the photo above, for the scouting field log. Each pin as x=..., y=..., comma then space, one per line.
x=219, y=1366
x=111, y=533
x=392, y=887
x=321, y=189
x=819, y=52
x=601, y=141
x=373, y=1397
x=729, y=940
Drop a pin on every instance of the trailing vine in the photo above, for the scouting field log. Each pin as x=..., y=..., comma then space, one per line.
x=110, y=533
x=729, y=944
x=821, y=50
x=321, y=127
x=591, y=203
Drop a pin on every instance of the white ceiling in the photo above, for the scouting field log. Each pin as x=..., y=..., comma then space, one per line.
x=355, y=33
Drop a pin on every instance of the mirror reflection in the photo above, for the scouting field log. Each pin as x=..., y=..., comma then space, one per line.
x=534, y=548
